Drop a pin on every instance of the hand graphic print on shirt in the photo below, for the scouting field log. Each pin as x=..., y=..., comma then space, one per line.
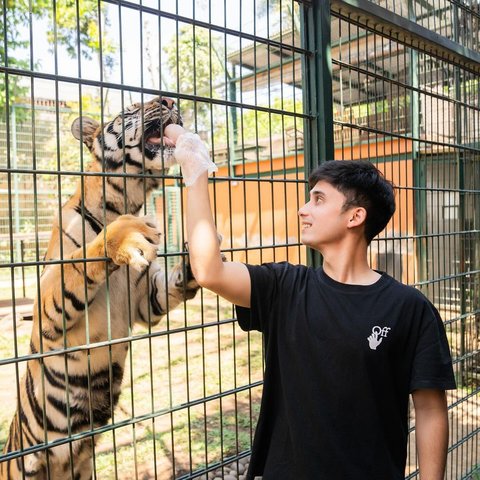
x=377, y=336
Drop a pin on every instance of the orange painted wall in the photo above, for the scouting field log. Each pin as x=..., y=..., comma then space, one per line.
x=261, y=216
x=372, y=150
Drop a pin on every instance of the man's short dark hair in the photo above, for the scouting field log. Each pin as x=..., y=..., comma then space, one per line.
x=363, y=186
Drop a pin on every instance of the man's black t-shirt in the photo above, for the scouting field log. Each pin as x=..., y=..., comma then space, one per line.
x=341, y=361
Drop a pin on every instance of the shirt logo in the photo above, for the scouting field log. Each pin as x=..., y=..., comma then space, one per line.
x=378, y=334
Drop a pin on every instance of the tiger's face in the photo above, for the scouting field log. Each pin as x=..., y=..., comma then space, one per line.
x=135, y=136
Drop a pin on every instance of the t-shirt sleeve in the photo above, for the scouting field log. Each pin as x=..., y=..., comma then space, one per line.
x=432, y=365
x=264, y=287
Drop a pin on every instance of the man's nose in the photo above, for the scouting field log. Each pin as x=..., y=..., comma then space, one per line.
x=301, y=211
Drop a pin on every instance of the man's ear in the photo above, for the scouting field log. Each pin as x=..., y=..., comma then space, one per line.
x=357, y=217
x=83, y=128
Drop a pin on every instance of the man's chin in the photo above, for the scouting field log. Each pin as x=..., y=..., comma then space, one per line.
x=304, y=240
x=309, y=242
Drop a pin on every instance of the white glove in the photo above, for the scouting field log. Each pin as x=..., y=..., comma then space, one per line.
x=192, y=155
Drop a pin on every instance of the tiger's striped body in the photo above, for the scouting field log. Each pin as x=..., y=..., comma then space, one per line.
x=95, y=301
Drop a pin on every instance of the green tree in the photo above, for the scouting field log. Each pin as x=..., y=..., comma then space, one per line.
x=195, y=60
x=68, y=25
x=265, y=125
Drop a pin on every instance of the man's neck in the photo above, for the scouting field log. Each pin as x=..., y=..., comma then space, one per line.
x=349, y=267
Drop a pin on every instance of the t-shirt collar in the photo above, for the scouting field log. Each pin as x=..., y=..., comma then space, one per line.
x=352, y=288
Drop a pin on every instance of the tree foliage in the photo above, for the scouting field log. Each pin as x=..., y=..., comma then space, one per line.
x=262, y=125
x=195, y=61
x=70, y=23
x=198, y=67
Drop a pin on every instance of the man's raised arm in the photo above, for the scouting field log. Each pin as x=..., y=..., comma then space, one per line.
x=230, y=280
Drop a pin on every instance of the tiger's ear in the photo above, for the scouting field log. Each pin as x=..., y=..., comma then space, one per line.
x=83, y=128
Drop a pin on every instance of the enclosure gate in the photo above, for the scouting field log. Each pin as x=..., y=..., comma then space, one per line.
x=267, y=84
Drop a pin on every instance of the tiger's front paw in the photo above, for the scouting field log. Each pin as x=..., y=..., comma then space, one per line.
x=132, y=241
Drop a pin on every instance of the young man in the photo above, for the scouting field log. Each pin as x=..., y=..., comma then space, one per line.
x=345, y=345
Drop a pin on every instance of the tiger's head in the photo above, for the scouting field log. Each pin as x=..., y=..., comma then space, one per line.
x=135, y=136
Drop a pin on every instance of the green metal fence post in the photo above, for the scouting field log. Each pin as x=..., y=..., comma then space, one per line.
x=420, y=194
x=318, y=99
x=462, y=378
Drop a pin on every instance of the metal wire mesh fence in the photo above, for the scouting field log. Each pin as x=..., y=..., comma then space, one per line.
x=191, y=385
x=243, y=75
x=415, y=114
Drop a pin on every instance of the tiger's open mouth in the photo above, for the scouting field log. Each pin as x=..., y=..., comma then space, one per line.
x=155, y=137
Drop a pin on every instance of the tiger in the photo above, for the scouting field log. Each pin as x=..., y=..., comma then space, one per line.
x=99, y=276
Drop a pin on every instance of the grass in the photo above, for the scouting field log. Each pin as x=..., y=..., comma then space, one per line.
x=165, y=373
x=184, y=442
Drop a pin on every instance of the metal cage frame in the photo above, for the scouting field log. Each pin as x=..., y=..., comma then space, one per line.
x=275, y=87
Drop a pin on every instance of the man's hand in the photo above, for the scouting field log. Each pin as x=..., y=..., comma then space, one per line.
x=190, y=153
